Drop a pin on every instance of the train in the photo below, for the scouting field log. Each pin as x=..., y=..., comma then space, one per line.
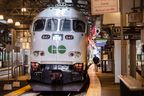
x=59, y=46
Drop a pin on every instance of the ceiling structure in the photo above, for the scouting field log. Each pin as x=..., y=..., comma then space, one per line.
x=12, y=9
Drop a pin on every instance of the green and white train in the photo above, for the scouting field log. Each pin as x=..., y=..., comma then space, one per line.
x=59, y=46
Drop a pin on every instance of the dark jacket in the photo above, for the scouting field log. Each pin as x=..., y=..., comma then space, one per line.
x=95, y=59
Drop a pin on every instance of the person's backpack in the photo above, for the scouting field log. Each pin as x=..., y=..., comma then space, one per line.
x=95, y=59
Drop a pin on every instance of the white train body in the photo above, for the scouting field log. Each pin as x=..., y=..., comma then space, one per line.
x=59, y=47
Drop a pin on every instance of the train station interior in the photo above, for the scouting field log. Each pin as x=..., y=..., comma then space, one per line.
x=115, y=34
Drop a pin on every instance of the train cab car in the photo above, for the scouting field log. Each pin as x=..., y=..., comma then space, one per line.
x=59, y=46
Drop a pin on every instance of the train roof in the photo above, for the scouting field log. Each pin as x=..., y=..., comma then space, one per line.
x=60, y=12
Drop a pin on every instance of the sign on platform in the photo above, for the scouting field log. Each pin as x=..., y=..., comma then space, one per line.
x=135, y=17
x=104, y=6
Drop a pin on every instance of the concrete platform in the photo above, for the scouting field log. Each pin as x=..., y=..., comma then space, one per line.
x=101, y=84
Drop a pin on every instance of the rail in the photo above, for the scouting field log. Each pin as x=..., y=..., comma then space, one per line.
x=18, y=70
x=4, y=72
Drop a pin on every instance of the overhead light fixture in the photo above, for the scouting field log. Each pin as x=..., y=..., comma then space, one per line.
x=1, y=17
x=17, y=23
x=23, y=9
x=10, y=21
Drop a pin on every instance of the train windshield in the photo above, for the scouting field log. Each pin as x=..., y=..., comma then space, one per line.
x=65, y=25
x=51, y=25
x=39, y=25
x=78, y=26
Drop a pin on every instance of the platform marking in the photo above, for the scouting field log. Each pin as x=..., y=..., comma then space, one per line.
x=19, y=91
x=95, y=85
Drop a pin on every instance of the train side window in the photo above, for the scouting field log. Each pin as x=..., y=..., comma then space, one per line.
x=65, y=25
x=78, y=26
x=52, y=25
x=39, y=25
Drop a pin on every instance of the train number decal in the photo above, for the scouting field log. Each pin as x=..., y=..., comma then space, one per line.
x=45, y=36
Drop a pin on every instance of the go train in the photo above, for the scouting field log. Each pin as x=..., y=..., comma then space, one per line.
x=59, y=46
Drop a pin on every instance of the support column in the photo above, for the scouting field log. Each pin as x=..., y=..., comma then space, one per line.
x=123, y=42
x=133, y=58
x=123, y=57
x=120, y=60
x=117, y=59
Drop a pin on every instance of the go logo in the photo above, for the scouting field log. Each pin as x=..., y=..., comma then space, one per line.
x=54, y=49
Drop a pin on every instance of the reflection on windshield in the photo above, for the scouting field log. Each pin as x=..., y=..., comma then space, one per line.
x=78, y=26
x=39, y=25
x=52, y=25
x=65, y=25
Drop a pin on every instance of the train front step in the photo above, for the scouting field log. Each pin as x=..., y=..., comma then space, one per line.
x=72, y=87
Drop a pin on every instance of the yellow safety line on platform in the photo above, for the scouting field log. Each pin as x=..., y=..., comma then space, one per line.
x=19, y=91
x=95, y=85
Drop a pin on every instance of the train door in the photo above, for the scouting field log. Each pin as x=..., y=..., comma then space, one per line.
x=57, y=46
x=61, y=42
x=52, y=27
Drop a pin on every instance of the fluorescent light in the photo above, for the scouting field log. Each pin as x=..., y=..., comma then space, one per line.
x=9, y=21
x=1, y=17
x=17, y=23
x=23, y=9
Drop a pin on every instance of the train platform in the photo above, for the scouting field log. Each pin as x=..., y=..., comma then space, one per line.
x=100, y=84
x=93, y=89
x=13, y=85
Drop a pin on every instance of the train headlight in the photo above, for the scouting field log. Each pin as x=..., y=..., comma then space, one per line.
x=71, y=54
x=42, y=53
x=75, y=54
x=78, y=67
x=36, y=53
